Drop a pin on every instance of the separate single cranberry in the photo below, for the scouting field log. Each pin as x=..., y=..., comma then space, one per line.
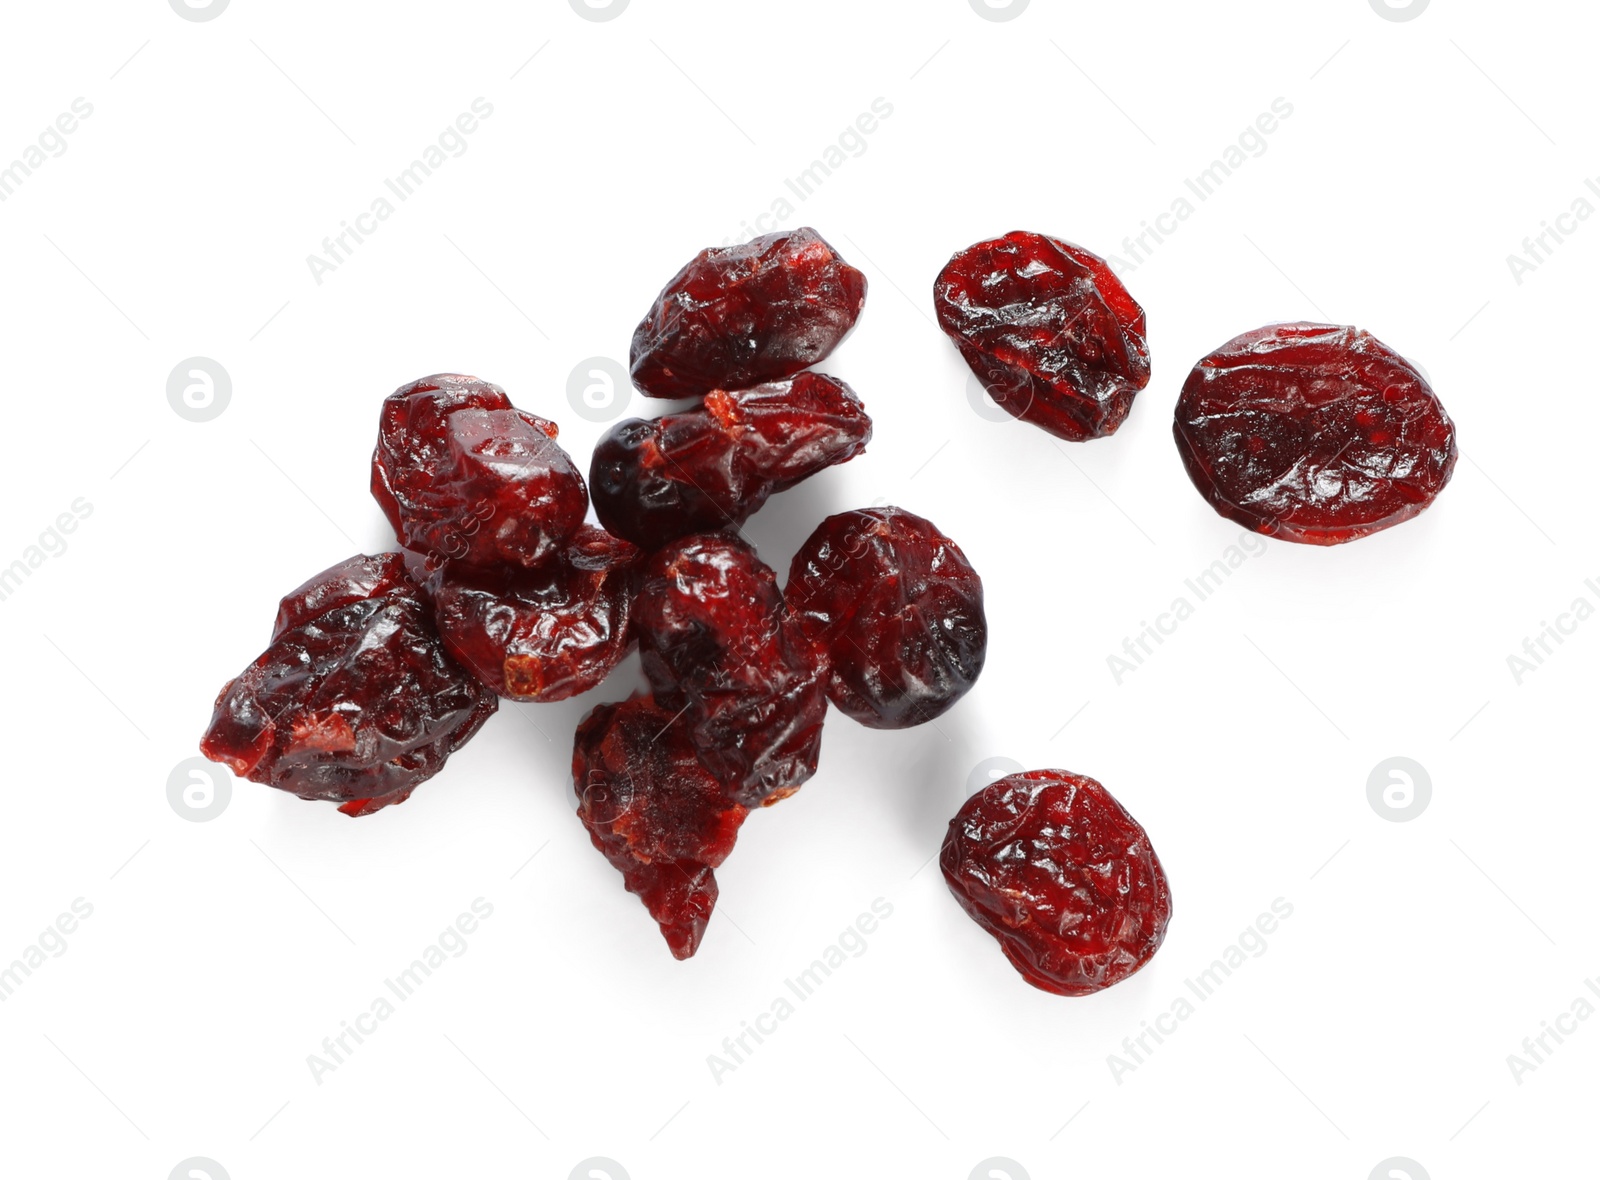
x=656, y=813
x=355, y=700
x=1053, y=335
x=1063, y=878
x=712, y=467
x=717, y=644
x=899, y=610
x=737, y=316
x=541, y=634
x=465, y=477
x=1313, y=433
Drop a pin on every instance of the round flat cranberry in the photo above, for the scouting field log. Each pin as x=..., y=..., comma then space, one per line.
x=899, y=610
x=1313, y=433
x=1062, y=876
x=1053, y=335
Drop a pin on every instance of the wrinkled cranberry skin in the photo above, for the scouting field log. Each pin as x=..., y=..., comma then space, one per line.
x=1062, y=876
x=737, y=316
x=1049, y=330
x=716, y=642
x=899, y=610
x=355, y=700
x=656, y=813
x=465, y=477
x=1313, y=433
x=543, y=634
x=712, y=467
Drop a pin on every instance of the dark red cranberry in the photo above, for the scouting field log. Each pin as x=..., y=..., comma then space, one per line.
x=737, y=316
x=1062, y=876
x=657, y=814
x=1313, y=433
x=541, y=634
x=899, y=610
x=1053, y=335
x=355, y=700
x=711, y=468
x=465, y=477
x=717, y=644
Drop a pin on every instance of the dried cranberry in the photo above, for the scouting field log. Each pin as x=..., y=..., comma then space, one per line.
x=1064, y=878
x=740, y=315
x=657, y=814
x=716, y=643
x=543, y=634
x=712, y=467
x=899, y=610
x=1053, y=335
x=1313, y=433
x=355, y=700
x=464, y=476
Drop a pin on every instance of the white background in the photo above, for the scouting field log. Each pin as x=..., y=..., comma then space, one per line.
x=1377, y=1024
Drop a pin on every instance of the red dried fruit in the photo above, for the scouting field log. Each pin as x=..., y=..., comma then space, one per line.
x=716, y=643
x=355, y=700
x=740, y=315
x=657, y=814
x=1053, y=335
x=712, y=467
x=1062, y=876
x=1313, y=433
x=899, y=610
x=543, y=634
x=463, y=476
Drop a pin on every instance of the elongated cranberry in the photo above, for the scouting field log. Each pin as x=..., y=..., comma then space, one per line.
x=355, y=700
x=1053, y=335
x=543, y=634
x=899, y=610
x=711, y=468
x=1062, y=876
x=656, y=813
x=737, y=316
x=465, y=477
x=1313, y=433
x=717, y=644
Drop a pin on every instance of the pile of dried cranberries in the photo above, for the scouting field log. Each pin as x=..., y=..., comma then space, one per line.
x=381, y=667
